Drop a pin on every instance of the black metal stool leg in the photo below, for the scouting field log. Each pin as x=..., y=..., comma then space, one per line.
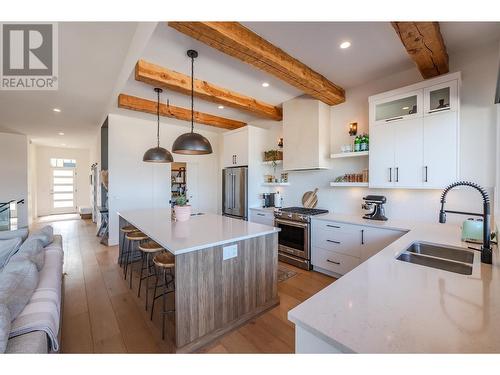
x=164, y=305
x=140, y=277
x=154, y=294
x=127, y=261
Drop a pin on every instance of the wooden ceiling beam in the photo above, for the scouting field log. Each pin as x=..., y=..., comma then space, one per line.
x=425, y=45
x=135, y=103
x=159, y=76
x=235, y=40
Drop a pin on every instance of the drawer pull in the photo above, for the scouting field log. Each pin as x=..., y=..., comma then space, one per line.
x=362, y=236
x=332, y=241
x=394, y=119
x=331, y=261
x=333, y=226
x=261, y=214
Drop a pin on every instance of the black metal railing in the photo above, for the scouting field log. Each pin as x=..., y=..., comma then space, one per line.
x=8, y=214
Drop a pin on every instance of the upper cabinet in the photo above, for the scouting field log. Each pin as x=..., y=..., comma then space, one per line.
x=306, y=134
x=236, y=145
x=414, y=135
x=396, y=108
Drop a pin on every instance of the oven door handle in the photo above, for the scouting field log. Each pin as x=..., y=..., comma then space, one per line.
x=291, y=223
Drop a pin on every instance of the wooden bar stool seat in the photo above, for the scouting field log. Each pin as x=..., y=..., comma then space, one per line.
x=165, y=262
x=150, y=247
x=136, y=236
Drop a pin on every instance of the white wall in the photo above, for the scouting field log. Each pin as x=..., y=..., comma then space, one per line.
x=477, y=142
x=14, y=172
x=134, y=184
x=43, y=178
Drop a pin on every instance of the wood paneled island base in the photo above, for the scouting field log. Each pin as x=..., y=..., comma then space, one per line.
x=214, y=296
x=214, y=292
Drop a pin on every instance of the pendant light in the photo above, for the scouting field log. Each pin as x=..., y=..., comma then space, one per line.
x=158, y=154
x=192, y=143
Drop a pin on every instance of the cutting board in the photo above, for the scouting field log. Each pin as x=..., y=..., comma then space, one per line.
x=310, y=199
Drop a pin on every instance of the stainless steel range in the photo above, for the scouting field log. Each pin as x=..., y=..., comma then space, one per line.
x=295, y=236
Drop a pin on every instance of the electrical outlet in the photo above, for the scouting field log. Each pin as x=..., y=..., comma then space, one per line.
x=229, y=252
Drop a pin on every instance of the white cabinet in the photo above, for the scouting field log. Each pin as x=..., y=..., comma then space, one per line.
x=337, y=247
x=440, y=165
x=418, y=149
x=306, y=134
x=261, y=216
x=236, y=146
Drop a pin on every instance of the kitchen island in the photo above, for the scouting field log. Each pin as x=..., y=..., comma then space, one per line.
x=390, y=306
x=225, y=270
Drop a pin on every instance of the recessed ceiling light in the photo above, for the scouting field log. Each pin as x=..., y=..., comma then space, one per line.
x=345, y=45
x=63, y=144
x=60, y=133
x=405, y=108
x=265, y=84
x=221, y=107
x=56, y=110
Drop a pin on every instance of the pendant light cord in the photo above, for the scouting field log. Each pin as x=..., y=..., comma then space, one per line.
x=192, y=94
x=158, y=119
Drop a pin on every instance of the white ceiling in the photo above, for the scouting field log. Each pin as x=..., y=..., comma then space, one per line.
x=92, y=55
x=90, y=58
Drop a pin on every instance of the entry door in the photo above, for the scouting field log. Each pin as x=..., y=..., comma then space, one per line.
x=63, y=190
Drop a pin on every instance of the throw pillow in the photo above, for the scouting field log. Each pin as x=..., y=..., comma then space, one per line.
x=45, y=234
x=10, y=234
x=31, y=249
x=5, y=322
x=8, y=248
x=18, y=281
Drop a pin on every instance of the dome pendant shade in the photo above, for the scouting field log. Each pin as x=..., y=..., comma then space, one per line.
x=192, y=144
x=157, y=155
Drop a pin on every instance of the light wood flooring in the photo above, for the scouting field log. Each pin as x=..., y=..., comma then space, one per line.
x=102, y=315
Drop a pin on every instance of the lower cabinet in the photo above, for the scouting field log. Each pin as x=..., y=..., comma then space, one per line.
x=259, y=216
x=337, y=247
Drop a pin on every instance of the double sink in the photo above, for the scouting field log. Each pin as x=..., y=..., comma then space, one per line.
x=440, y=257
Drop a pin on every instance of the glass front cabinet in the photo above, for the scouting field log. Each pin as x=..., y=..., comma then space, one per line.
x=399, y=107
x=441, y=98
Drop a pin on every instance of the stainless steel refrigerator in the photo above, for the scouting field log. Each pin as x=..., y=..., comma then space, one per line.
x=235, y=192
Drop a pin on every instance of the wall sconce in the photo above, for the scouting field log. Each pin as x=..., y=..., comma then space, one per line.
x=280, y=142
x=353, y=128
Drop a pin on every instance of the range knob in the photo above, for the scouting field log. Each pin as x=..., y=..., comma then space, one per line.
x=303, y=218
x=290, y=216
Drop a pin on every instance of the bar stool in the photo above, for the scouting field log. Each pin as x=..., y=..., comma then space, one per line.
x=132, y=238
x=126, y=229
x=164, y=262
x=147, y=248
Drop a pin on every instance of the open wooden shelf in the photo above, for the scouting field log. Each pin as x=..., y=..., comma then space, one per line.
x=349, y=184
x=276, y=184
x=349, y=154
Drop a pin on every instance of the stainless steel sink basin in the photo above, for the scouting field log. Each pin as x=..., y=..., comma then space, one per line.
x=449, y=253
x=440, y=257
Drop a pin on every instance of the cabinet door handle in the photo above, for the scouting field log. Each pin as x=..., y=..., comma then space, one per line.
x=439, y=110
x=390, y=174
x=394, y=118
x=362, y=236
x=261, y=215
x=332, y=261
x=397, y=174
x=425, y=176
x=332, y=226
x=332, y=241
x=234, y=159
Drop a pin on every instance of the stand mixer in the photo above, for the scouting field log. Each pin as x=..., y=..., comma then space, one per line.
x=376, y=204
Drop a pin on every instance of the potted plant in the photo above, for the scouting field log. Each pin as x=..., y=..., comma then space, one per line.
x=182, y=209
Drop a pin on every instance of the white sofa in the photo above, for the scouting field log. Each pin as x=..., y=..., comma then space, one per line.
x=37, y=328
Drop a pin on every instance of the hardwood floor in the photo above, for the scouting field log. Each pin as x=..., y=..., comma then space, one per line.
x=102, y=315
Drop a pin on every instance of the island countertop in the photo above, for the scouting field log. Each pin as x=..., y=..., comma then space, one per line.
x=199, y=232
x=388, y=306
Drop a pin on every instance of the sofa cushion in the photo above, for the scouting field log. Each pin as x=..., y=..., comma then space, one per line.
x=8, y=248
x=45, y=234
x=5, y=322
x=18, y=280
x=31, y=249
x=9, y=234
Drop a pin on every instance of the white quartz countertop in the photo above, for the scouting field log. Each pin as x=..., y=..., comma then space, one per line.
x=389, y=306
x=199, y=232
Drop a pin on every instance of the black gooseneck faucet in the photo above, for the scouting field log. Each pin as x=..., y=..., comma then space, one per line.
x=486, y=252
